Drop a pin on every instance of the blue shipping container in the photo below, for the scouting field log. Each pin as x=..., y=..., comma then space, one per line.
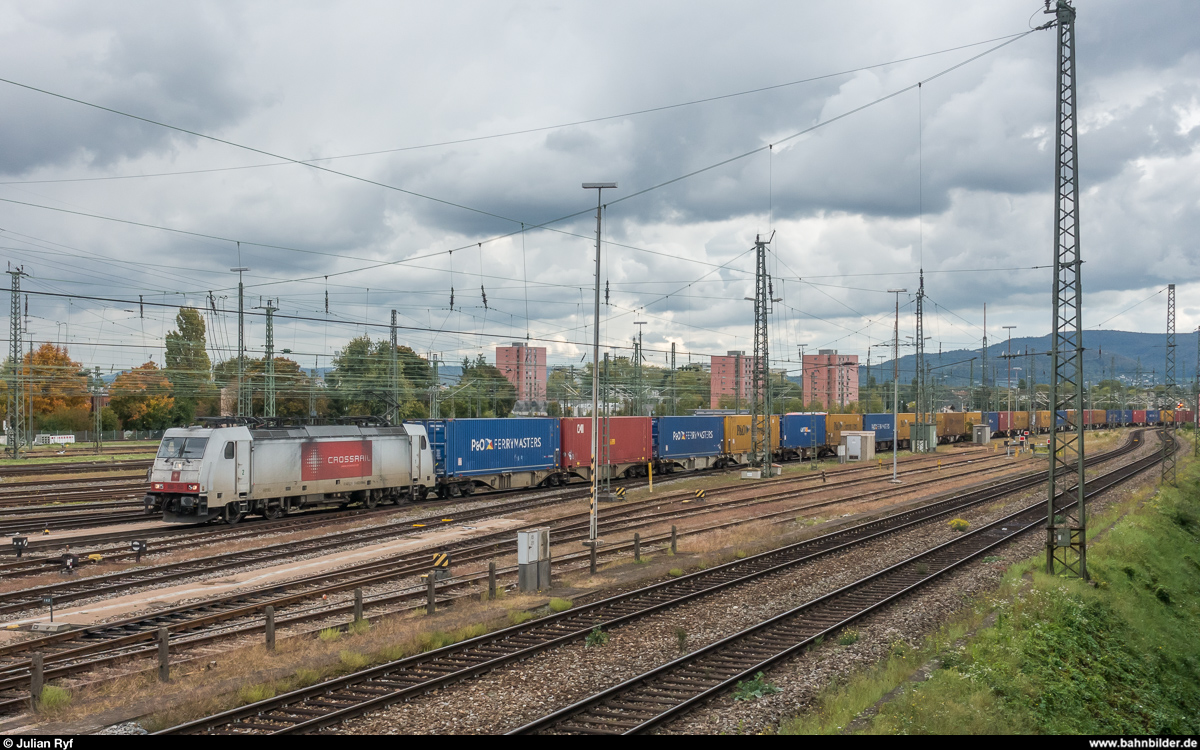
x=1153, y=416
x=883, y=425
x=1127, y=416
x=687, y=437
x=475, y=447
x=801, y=430
x=1112, y=417
x=993, y=420
x=1062, y=418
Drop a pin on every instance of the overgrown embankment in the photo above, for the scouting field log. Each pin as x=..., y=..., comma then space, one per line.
x=1063, y=657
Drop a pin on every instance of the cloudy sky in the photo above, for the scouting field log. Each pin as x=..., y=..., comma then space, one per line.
x=452, y=140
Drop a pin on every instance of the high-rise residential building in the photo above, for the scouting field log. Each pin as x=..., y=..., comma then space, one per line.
x=831, y=379
x=732, y=376
x=525, y=368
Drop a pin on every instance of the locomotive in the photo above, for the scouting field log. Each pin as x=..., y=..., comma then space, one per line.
x=229, y=468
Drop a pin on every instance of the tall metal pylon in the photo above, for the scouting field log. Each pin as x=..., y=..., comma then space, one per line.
x=269, y=389
x=1066, y=527
x=674, y=393
x=16, y=391
x=1170, y=396
x=393, y=407
x=983, y=390
x=923, y=436
x=638, y=390
x=760, y=391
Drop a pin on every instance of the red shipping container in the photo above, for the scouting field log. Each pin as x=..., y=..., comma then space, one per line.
x=630, y=440
x=1004, y=421
x=1139, y=416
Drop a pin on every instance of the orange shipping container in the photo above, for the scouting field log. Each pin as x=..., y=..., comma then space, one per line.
x=739, y=437
x=951, y=426
x=836, y=423
x=1020, y=420
x=1043, y=419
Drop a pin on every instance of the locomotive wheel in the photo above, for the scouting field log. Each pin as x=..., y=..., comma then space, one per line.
x=273, y=513
x=371, y=500
x=232, y=519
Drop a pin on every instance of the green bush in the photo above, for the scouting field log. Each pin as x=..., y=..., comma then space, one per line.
x=560, y=605
x=676, y=572
x=681, y=639
x=748, y=690
x=353, y=660
x=329, y=635
x=848, y=638
x=597, y=637
x=959, y=524
x=358, y=627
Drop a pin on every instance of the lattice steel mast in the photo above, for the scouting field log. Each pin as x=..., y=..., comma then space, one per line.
x=16, y=391
x=393, y=407
x=760, y=404
x=1170, y=396
x=1066, y=527
x=243, y=401
x=269, y=386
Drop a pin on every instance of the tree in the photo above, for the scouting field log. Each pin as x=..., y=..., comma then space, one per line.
x=482, y=391
x=360, y=382
x=141, y=398
x=188, y=369
x=55, y=380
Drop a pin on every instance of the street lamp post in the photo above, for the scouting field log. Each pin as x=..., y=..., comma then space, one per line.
x=896, y=382
x=599, y=187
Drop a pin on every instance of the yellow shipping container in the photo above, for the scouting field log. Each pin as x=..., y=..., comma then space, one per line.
x=836, y=423
x=951, y=426
x=1020, y=420
x=904, y=429
x=1168, y=416
x=1043, y=419
x=739, y=437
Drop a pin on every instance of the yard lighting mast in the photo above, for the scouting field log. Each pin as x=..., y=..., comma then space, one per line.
x=760, y=411
x=895, y=380
x=16, y=396
x=1010, y=367
x=1066, y=523
x=599, y=187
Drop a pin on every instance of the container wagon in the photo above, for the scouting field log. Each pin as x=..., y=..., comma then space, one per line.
x=739, y=437
x=688, y=443
x=835, y=424
x=801, y=435
x=498, y=454
x=1153, y=417
x=625, y=448
x=952, y=426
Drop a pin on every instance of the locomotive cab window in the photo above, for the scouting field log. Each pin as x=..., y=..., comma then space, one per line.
x=178, y=447
x=229, y=450
x=424, y=445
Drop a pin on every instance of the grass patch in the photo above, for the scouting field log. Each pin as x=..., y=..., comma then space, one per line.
x=676, y=572
x=517, y=617
x=329, y=635
x=53, y=699
x=959, y=524
x=358, y=627
x=681, y=638
x=255, y=693
x=848, y=638
x=560, y=605
x=352, y=660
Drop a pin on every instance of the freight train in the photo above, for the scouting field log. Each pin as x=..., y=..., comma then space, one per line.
x=230, y=468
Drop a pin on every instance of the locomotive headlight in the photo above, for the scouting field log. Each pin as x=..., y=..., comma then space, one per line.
x=157, y=485
x=193, y=488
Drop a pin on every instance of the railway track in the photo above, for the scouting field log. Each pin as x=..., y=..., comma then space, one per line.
x=80, y=467
x=323, y=705
x=218, y=618
x=649, y=700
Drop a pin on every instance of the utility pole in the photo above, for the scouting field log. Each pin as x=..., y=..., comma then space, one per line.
x=243, y=401
x=985, y=406
x=16, y=399
x=674, y=392
x=393, y=409
x=434, y=411
x=1066, y=524
x=593, y=522
x=760, y=407
x=269, y=390
x=896, y=380
x=1009, y=358
x=639, y=396
x=737, y=383
x=95, y=387
x=1168, y=459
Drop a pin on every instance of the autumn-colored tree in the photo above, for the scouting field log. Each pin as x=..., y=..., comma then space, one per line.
x=54, y=380
x=142, y=398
